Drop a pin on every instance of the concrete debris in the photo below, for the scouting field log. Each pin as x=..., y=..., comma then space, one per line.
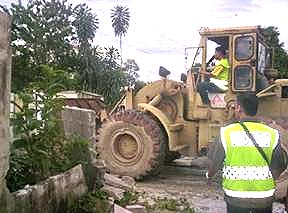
x=129, y=180
x=200, y=162
x=136, y=208
x=116, y=182
x=114, y=192
x=185, y=161
x=62, y=189
x=146, y=200
x=119, y=209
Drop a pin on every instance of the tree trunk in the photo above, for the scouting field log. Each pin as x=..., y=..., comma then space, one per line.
x=5, y=73
x=121, y=50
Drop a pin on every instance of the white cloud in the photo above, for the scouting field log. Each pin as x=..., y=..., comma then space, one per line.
x=160, y=30
x=163, y=28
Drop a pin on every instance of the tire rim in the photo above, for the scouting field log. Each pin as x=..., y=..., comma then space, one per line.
x=127, y=147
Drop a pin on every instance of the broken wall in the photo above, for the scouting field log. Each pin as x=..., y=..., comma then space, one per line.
x=79, y=122
x=53, y=195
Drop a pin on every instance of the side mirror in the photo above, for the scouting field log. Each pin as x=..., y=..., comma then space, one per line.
x=163, y=72
x=183, y=77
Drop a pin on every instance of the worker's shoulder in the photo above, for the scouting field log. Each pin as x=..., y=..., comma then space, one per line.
x=224, y=62
x=269, y=123
x=260, y=121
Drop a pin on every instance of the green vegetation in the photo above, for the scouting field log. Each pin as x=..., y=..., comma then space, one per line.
x=129, y=198
x=169, y=204
x=93, y=202
x=97, y=202
x=60, y=35
x=53, y=50
x=281, y=56
x=39, y=148
x=120, y=22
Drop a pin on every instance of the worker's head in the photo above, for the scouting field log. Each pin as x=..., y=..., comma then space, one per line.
x=247, y=105
x=220, y=52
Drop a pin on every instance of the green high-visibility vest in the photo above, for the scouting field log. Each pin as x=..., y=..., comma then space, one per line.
x=224, y=74
x=245, y=172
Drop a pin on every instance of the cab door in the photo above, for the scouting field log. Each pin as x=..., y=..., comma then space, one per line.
x=244, y=62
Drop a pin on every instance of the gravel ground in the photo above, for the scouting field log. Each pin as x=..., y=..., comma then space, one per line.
x=191, y=190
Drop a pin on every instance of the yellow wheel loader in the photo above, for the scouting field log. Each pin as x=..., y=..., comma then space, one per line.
x=168, y=115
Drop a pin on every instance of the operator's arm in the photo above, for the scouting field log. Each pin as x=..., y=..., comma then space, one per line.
x=205, y=72
x=216, y=155
x=217, y=70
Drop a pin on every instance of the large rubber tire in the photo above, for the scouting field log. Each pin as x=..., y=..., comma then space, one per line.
x=131, y=143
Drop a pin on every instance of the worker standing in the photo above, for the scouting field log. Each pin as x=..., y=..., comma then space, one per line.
x=251, y=158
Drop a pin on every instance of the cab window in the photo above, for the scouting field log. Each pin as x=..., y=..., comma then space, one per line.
x=244, y=48
x=261, y=58
x=243, y=77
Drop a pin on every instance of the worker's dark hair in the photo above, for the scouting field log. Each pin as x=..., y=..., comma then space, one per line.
x=221, y=49
x=248, y=102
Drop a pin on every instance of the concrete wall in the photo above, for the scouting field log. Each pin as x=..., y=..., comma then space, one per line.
x=5, y=78
x=55, y=194
x=52, y=195
x=80, y=122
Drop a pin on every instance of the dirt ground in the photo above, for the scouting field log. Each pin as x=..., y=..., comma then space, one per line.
x=187, y=185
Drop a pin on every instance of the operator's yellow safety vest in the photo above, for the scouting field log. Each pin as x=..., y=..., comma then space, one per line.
x=221, y=71
x=245, y=172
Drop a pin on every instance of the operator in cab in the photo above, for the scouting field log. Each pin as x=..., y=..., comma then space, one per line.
x=218, y=82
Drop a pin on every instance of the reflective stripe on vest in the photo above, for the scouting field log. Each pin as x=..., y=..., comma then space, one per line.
x=245, y=173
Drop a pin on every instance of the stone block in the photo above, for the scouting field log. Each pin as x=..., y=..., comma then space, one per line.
x=136, y=208
x=117, y=182
x=80, y=122
x=185, y=161
x=52, y=195
x=114, y=192
x=119, y=209
x=129, y=180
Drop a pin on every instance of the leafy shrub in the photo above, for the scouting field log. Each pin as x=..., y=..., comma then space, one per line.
x=21, y=172
x=93, y=202
x=169, y=204
x=39, y=148
x=76, y=151
x=128, y=198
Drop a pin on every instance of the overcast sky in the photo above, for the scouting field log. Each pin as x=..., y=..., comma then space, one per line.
x=160, y=30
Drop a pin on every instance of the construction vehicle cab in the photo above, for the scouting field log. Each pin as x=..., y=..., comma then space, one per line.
x=167, y=115
x=249, y=57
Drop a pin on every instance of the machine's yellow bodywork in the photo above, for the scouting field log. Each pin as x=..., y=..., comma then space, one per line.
x=177, y=106
x=188, y=125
